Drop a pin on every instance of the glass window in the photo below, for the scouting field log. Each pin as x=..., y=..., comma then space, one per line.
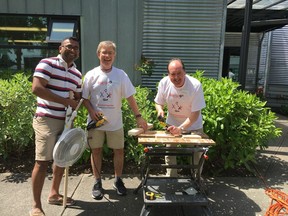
x=22, y=30
x=23, y=59
x=60, y=30
x=23, y=39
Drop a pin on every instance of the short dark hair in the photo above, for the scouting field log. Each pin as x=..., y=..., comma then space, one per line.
x=176, y=59
x=71, y=38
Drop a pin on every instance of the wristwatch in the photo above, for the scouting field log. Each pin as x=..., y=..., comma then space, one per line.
x=184, y=131
x=138, y=116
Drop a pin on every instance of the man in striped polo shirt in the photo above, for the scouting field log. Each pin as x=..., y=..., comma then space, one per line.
x=54, y=78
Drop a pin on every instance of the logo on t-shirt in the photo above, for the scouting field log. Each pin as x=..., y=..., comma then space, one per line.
x=176, y=107
x=105, y=95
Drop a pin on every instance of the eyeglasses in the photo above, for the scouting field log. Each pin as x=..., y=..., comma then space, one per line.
x=70, y=47
x=176, y=74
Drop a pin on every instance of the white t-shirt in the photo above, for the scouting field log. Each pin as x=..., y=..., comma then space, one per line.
x=181, y=101
x=106, y=91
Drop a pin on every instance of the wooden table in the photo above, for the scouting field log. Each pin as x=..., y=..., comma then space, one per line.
x=162, y=137
x=167, y=190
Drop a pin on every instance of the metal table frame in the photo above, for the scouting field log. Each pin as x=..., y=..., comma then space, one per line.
x=171, y=190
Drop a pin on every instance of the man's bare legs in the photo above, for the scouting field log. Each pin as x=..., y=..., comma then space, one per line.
x=96, y=162
x=38, y=178
x=56, y=181
x=118, y=162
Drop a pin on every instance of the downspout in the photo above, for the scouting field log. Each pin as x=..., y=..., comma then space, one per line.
x=258, y=61
x=245, y=44
x=268, y=62
x=222, y=42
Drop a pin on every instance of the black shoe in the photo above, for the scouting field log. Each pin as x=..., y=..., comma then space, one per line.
x=97, y=191
x=120, y=188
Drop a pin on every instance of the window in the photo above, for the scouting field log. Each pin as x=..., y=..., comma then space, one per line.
x=24, y=40
x=22, y=30
x=61, y=29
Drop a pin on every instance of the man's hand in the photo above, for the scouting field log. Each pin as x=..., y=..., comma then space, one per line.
x=72, y=103
x=176, y=131
x=142, y=123
x=95, y=115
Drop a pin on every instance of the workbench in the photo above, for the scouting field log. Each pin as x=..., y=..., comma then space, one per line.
x=177, y=191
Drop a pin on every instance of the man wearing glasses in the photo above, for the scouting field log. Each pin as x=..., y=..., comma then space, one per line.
x=53, y=79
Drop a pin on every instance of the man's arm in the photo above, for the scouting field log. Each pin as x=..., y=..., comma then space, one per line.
x=40, y=90
x=133, y=105
x=190, y=120
x=94, y=114
x=160, y=110
x=186, y=124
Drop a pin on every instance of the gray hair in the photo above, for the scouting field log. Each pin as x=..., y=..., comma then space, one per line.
x=106, y=44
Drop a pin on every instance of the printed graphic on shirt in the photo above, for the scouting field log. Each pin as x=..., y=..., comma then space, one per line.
x=176, y=107
x=106, y=93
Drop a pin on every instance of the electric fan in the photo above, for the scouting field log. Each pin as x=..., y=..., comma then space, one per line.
x=69, y=146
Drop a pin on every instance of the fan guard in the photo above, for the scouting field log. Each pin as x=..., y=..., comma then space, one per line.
x=69, y=147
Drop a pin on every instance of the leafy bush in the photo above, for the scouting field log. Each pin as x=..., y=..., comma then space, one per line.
x=17, y=105
x=237, y=121
x=81, y=122
x=144, y=98
x=146, y=66
x=8, y=74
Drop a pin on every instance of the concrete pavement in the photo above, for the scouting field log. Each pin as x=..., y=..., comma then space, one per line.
x=243, y=196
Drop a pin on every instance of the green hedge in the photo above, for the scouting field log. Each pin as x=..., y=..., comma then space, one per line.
x=238, y=121
x=17, y=105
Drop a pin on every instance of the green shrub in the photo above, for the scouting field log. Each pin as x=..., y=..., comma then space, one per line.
x=237, y=121
x=81, y=122
x=17, y=105
x=144, y=98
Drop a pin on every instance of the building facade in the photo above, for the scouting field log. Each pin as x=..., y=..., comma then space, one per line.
x=201, y=32
x=26, y=27
x=157, y=30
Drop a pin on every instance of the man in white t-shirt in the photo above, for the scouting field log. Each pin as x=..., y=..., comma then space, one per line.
x=184, y=98
x=103, y=90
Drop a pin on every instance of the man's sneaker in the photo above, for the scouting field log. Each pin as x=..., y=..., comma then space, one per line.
x=120, y=188
x=97, y=191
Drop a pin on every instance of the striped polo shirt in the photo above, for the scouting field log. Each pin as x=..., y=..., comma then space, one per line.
x=61, y=80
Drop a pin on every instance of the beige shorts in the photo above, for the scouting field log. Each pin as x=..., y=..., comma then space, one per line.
x=47, y=131
x=114, y=139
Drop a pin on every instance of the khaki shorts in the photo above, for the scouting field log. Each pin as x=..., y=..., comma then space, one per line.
x=47, y=131
x=114, y=139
